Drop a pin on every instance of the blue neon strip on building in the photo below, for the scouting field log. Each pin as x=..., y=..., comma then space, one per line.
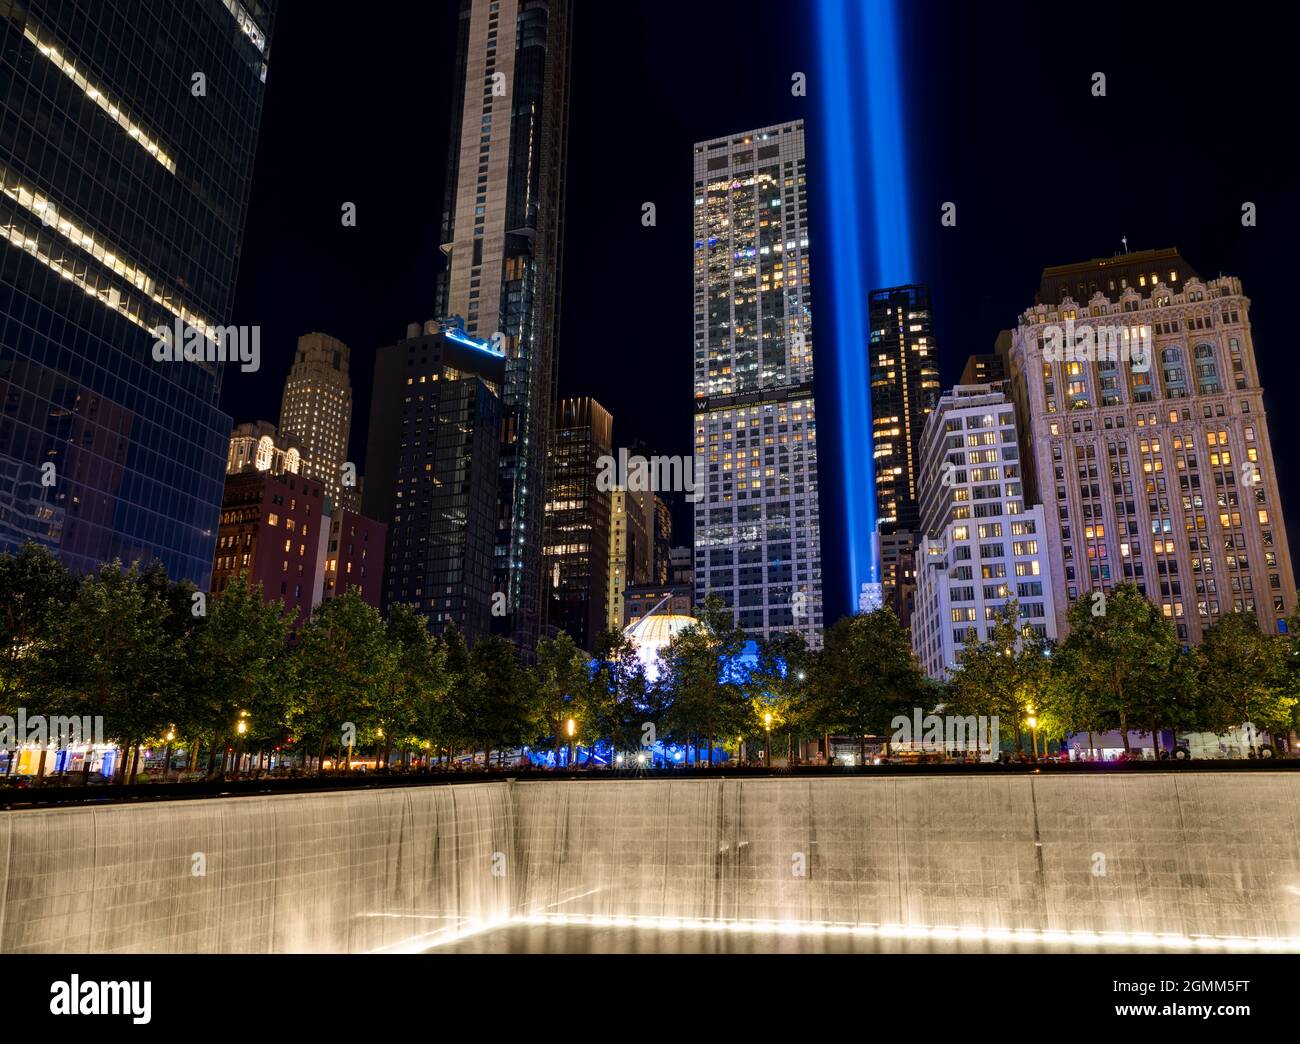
x=865, y=176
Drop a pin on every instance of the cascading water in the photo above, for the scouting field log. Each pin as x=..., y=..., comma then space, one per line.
x=1128, y=861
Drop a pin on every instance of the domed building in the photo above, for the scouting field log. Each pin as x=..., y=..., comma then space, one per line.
x=651, y=634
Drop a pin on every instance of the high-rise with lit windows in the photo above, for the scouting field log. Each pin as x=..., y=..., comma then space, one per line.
x=757, y=531
x=576, y=552
x=1141, y=405
x=904, y=390
x=501, y=234
x=316, y=409
x=123, y=194
x=981, y=545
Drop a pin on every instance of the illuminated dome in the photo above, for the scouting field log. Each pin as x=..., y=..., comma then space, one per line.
x=651, y=634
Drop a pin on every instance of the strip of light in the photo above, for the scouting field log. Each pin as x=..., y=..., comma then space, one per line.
x=251, y=29
x=45, y=211
x=92, y=92
x=1084, y=939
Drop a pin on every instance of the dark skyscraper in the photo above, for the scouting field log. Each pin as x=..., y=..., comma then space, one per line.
x=904, y=391
x=127, y=134
x=576, y=550
x=501, y=234
x=431, y=474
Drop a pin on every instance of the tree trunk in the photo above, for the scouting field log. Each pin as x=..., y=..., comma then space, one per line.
x=710, y=750
x=1123, y=729
x=135, y=758
x=1090, y=745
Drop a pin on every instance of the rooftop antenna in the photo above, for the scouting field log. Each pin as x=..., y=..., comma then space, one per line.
x=1124, y=240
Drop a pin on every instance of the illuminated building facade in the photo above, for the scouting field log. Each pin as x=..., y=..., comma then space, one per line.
x=1157, y=463
x=258, y=446
x=983, y=369
x=904, y=390
x=757, y=534
x=116, y=220
x=431, y=473
x=578, y=517
x=316, y=409
x=981, y=546
x=354, y=557
x=663, y=541
x=274, y=528
x=501, y=229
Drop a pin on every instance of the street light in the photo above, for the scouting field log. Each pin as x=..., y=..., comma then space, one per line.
x=767, y=744
x=1032, y=722
x=241, y=728
x=167, y=753
x=570, y=727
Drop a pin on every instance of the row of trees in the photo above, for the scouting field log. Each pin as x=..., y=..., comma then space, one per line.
x=162, y=664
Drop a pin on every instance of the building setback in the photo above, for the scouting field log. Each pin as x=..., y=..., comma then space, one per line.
x=757, y=531
x=116, y=219
x=1154, y=454
x=982, y=546
x=576, y=552
x=501, y=231
x=431, y=474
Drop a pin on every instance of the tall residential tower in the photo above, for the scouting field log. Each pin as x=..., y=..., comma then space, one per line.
x=501, y=232
x=757, y=535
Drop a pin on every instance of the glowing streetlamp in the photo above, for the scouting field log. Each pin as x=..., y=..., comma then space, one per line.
x=570, y=727
x=767, y=743
x=1032, y=722
x=169, y=736
x=241, y=728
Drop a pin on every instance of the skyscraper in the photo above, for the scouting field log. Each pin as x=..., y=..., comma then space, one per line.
x=122, y=206
x=904, y=390
x=1142, y=411
x=982, y=546
x=501, y=232
x=431, y=474
x=757, y=535
x=316, y=409
x=576, y=550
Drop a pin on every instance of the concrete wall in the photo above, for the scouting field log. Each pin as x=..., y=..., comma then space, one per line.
x=1183, y=853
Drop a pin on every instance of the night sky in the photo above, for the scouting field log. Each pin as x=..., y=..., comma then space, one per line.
x=1001, y=121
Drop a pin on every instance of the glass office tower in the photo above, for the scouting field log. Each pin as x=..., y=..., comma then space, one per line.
x=127, y=134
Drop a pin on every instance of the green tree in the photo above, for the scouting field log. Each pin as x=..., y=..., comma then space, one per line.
x=1243, y=673
x=339, y=669
x=35, y=592
x=496, y=697
x=619, y=699
x=415, y=681
x=111, y=654
x=1120, y=650
x=864, y=675
x=705, y=701
x=779, y=686
x=560, y=679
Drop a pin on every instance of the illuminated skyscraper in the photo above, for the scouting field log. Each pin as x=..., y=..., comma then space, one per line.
x=501, y=231
x=317, y=410
x=757, y=535
x=123, y=192
x=904, y=391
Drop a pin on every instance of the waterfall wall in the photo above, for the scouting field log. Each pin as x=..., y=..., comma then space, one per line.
x=1193, y=854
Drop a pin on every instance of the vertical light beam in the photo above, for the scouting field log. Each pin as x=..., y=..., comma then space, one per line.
x=866, y=178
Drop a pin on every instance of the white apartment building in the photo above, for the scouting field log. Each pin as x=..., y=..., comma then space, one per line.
x=981, y=546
